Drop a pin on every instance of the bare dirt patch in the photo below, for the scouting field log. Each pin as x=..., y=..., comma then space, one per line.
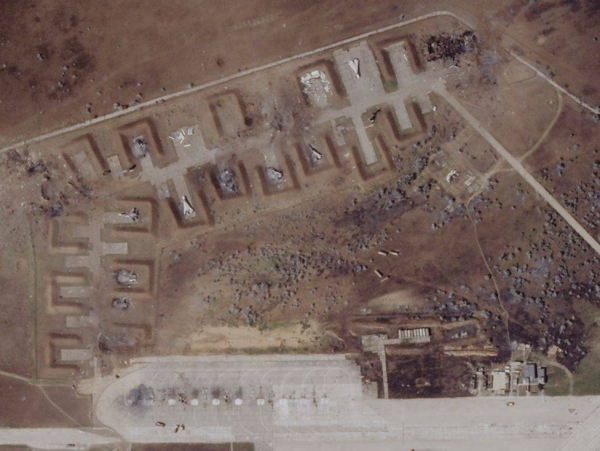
x=397, y=301
x=294, y=244
x=24, y=405
x=272, y=337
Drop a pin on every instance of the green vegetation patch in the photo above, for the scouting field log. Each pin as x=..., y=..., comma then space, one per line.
x=586, y=379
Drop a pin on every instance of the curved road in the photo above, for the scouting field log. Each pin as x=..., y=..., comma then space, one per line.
x=517, y=166
x=556, y=85
x=548, y=128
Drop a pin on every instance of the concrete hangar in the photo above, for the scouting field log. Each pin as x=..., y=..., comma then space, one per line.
x=320, y=402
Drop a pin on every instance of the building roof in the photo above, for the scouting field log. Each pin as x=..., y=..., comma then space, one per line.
x=499, y=380
x=530, y=371
x=542, y=373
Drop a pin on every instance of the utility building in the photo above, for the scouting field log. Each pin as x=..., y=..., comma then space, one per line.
x=420, y=335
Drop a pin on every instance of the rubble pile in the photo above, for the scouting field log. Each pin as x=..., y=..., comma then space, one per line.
x=139, y=147
x=449, y=47
x=121, y=303
x=227, y=182
x=127, y=278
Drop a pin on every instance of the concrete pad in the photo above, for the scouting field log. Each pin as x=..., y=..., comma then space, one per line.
x=115, y=166
x=81, y=231
x=188, y=142
x=270, y=157
x=116, y=218
x=360, y=445
x=401, y=64
x=317, y=402
x=366, y=145
x=337, y=133
x=302, y=384
x=424, y=101
x=402, y=114
x=84, y=165
x=146, y=164
x=113, y=248
x=77, y=261
x=75, y=355
x=181, y=187
x=369, y=85
x=75, y=291
x=81, y=322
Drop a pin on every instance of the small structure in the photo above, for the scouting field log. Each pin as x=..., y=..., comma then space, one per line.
x=420, y=335
x=373, y=343
x=529, y=372
x=532, y=374
x=500, y=380
x=542, y=375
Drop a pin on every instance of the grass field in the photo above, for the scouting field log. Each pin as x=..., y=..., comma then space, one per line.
x=558, y=382
x=587, y=375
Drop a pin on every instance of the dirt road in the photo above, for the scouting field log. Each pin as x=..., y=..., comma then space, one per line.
x=556, y=85
x=517, y=166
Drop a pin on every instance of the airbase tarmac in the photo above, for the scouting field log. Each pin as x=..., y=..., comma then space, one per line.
x=307, y=402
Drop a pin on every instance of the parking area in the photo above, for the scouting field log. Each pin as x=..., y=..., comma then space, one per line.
x=225, y=399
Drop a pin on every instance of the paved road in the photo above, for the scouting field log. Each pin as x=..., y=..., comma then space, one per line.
x=339, y=414
x=586, y=435
x=517, y=166
x=229, y=78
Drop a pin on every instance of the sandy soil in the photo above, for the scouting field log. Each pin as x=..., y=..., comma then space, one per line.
x=63, y=63
x=219, y=339
x=505, y=110
x=396, y=301
x=17, y=281
x=24, y=405
x=300, y=276
x=101, y=56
